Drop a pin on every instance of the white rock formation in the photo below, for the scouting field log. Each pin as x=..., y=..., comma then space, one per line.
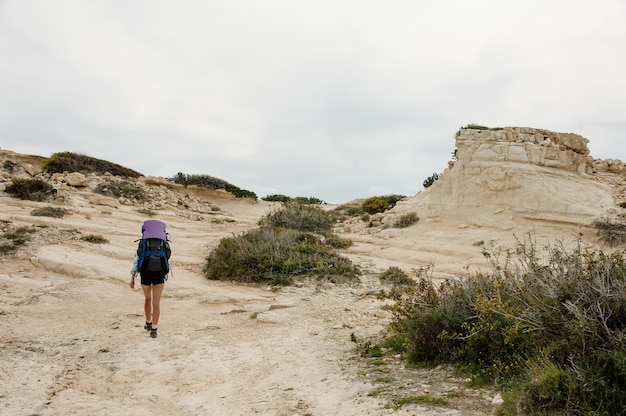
x=517, y=179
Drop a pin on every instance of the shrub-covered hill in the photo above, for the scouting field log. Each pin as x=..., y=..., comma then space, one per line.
x=75, y=169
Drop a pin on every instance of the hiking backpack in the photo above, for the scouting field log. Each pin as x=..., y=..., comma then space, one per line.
x=153, y=250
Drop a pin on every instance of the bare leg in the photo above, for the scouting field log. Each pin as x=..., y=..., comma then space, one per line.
x=157, y=290
x=147, y=305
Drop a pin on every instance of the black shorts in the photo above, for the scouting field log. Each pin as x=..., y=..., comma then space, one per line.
x=151, y=281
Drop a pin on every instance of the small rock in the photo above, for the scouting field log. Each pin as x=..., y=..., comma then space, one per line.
x=30, y=169
x=76, y=179
x=497, y=400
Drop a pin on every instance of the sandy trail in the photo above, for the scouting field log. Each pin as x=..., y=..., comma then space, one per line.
x=78, y=346
x=73, y=340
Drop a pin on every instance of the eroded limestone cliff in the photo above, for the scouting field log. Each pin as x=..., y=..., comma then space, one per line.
x=521, y=180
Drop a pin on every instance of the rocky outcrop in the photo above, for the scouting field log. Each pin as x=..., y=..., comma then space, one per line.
x=524, y=146
x=606, y=165
x=518, y=178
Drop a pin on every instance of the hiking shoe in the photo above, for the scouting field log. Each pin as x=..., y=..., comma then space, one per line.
x=148, y=326
x=153, y=333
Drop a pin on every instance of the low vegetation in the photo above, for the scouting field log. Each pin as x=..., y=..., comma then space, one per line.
x=335, y=241
x=611, y=232
x=472, y=126
x=378, y=204
x=9, y=165
x=94, y=239
x=406, y=220
x=294, y=241
x=549, y=330
x=299, y=217
x=12, y=238
x=120, y=189
x=375, y=205
x=277, y=198
x=396, y=276
x=54, y=212
x=211, y=182
x=422, y=399
x=73, y=162
x=348, y=211
x=299, y=199
x=29, y=189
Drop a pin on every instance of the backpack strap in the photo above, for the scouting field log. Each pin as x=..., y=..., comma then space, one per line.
x=141, y=252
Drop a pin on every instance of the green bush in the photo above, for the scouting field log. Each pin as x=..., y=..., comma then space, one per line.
x=428, y=318
x=94, y=238
x=396, y=276
x=288, y=243
x=205, y=181
x=240, y=193
x=310, y=200
x=549, y=387
x=276, y=256
x=406, y=220
x=335, y=241
x=72, y=162
x=277, y=198
x=393, y=199
x=11, y=240
x=345, y=212
x=350, y=210
x=53, y=212
x=299, y=199
x=29, y=189
x=300, y=217
x=9, y=165
x=120, y=189
x=552, y=328
x=210, y=182
x=377, y=204
x=430, y=180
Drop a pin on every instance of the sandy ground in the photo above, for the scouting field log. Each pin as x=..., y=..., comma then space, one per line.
x=72, y=337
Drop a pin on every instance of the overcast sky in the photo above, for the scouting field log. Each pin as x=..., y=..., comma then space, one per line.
x=334, y=99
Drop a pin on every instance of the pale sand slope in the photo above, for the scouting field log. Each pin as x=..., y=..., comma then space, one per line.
x=72, y=340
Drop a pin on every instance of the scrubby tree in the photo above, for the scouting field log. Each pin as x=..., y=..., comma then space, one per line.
x=430, y=180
